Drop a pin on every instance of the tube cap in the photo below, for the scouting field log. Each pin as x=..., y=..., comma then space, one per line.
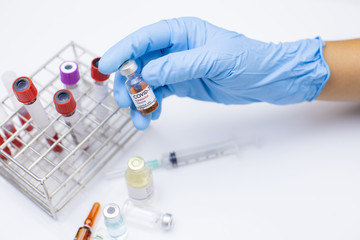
x=128, y=67
x=64, y=102
x=95, y=73
x=69, y=73
x=24, y=90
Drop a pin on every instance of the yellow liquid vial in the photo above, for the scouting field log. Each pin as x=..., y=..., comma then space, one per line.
x=139, y=180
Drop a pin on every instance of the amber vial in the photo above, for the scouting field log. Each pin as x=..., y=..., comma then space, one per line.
x=140, y=92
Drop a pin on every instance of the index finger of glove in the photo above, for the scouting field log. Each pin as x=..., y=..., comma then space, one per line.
x=147, y=39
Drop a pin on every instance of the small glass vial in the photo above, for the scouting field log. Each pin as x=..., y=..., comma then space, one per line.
x=65, y=104
x=26, y=92
x=139, y=181
x=114, y=222
x=140, y=92
x=70, y=76
x=100, y=89
x=147, y=217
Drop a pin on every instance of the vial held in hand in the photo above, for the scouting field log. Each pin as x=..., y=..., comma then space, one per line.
x=140, y=92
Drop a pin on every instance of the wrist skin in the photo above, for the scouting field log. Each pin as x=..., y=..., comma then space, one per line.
x=343, y=59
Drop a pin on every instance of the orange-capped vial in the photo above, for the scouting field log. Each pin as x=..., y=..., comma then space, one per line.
x=140, y=92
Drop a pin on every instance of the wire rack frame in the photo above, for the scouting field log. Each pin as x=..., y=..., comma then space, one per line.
x=52, y=179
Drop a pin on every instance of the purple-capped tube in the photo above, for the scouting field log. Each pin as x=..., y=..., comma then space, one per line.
x=70, y=76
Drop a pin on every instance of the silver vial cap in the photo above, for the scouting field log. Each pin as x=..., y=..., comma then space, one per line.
x=128, y=67
x=111, y=211
x=166, y=221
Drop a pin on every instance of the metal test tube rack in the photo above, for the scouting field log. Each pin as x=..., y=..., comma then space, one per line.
x=52, y=179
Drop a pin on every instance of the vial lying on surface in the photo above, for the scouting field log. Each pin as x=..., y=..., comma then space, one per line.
x=26, y=92
x=65, y=104
x=147, y=216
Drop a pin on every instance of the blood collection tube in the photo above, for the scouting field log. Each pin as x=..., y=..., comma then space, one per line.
x=9, y=128
x=65, y=104
x=84, y=233
x=26, y=92
x=69, y=76
x=6, y=149
x=140, y=92
x=147, y=216
x=8, y=79
x=100, y=89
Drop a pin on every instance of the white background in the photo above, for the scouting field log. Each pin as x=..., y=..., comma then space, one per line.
x=301, y=183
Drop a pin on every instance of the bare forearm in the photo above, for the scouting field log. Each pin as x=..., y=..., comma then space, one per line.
x=343, y=59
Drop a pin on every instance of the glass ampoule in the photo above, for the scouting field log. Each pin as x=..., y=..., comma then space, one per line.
x=65, y=104
x=84, y=232
x=8, y=79
x=114, y=222
x=140, y=92
x=147, y=216
x=100, y=89
x=70, y=76
x=26, y=92
x=139, y=181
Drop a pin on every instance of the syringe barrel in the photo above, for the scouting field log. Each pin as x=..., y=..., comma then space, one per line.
x=197, y=154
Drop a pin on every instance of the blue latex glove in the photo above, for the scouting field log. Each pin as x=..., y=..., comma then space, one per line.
x=190, y=57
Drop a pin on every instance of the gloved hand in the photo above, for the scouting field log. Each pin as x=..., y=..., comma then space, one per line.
x=190, y=57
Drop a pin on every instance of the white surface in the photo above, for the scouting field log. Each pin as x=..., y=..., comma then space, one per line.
x=302, y=183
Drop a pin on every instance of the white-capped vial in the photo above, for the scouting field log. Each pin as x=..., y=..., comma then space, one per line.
x=100, y=89
x=70, y=76
x=140, y=92
x=147, y=216
x=139, y=181
x=65, y=104
x=26, y=92
x=8, y=79
x=114, y=222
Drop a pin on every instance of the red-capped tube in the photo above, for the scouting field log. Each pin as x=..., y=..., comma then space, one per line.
x=64, y=102
x=95, y=73
x=24, y=90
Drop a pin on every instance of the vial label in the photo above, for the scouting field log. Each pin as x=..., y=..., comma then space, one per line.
x=141, y=194
x=144, y=99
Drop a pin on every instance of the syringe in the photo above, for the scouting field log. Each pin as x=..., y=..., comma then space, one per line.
x=192, y=155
